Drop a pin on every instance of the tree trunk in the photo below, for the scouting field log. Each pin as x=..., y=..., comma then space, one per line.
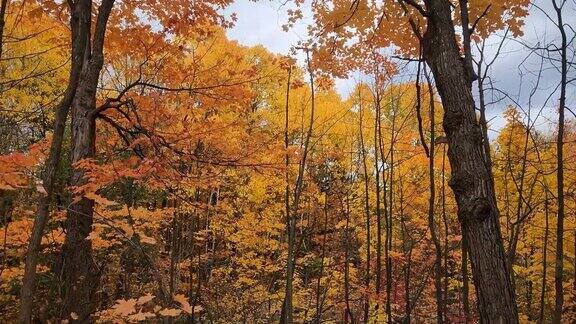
x=559, y=269
x=287, y=307
x=367, y=214
x=80, y=26
x=79, y=273
x=471, y=179
x=544, y=258
x=377, y=139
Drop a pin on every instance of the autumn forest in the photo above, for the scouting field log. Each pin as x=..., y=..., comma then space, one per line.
x=155, y=168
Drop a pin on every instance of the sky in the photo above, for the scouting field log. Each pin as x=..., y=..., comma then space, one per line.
x=514, y=72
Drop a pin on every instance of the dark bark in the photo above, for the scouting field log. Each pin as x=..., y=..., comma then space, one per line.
x=318, y=315
x=348, y=317
x=377, y=139
x=559, y=269
x=471, y=180
x=79, y=273
x=287, y=173
x=544, y=258
x=367, y=214
x=80, y=26
x=390, y=208
x=430, y=153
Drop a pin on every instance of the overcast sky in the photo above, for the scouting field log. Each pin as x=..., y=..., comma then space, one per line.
x=514, y=72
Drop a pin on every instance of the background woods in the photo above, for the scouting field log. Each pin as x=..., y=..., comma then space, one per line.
x=153, y=169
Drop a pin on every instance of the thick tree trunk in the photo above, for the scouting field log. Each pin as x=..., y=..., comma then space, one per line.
x=78, y=270
x=80, y=25
x=471, y=179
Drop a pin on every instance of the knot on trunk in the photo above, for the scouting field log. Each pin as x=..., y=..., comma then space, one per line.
x=453, y=121
x=461, y=182
x=475, y=210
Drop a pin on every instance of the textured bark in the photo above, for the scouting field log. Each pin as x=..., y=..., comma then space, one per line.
x=79, y=274
x=79, y=25
x=471, y=179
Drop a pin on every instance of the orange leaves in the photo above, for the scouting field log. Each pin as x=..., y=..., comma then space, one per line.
x=143, y=308
x=130, y=310
x=125, y=307
x=16, y=169
x=346, y=33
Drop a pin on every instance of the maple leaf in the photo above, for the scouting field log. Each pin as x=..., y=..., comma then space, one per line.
x=125, y=307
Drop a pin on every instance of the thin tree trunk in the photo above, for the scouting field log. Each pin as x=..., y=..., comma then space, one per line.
x=390, y=208
x=367, y=214
x=471, y=180
x=430, y=152
x=559, y=269
x=287, y=308
x=80, y=26
x=349, y=316
x=322, y=256
x=377, y=138
x=544, y=258
x=287, y=172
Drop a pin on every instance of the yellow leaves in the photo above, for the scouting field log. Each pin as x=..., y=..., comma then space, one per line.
x=34, y=67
